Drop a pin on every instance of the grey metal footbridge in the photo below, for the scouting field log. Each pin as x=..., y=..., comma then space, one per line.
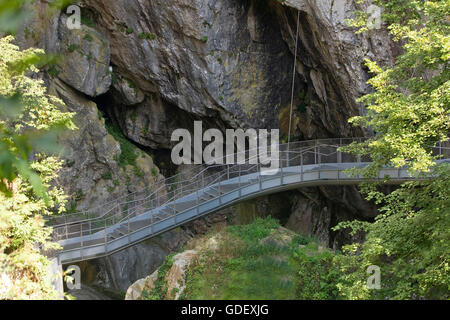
x=175, y=201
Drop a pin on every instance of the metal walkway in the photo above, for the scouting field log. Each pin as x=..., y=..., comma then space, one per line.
x=175, y=201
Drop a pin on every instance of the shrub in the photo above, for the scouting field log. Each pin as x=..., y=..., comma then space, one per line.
x=128, y=154
x=147, y=36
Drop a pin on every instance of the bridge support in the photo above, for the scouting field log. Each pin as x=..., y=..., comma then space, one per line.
x=56, y=276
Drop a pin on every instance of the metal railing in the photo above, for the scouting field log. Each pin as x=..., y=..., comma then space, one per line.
x=169, y=198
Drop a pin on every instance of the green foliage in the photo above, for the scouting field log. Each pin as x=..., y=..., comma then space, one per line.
x=133, y=117
x=87, y=21
x=409, y=112
x=73, y=47
x=302, y=104
x=300, y=240
x=159, y=292
x=128, y=154
x=154, y=172
x=29, y=122
x=147, y=36
x=131, y=84
x=27, y=115
x=409, y=241
x=88, y=37
x=114, y=77
x=204, y=39
x=318, y=274
x=13, y=13
x=138, y=172
x=249, y=265
x=255, y=231
x=129, y=30
x=101, y=114
x=78, y=196
x=410, y=107
x=53, y=71
x=107, y=175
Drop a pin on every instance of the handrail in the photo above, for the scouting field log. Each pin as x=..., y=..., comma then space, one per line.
x=164, y=181
x=211, y=178
x=202, y=171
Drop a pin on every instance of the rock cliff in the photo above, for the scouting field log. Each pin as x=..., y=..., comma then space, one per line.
x=137, y=70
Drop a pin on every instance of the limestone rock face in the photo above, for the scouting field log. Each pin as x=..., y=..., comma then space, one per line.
x=134, y=292
x=211, y=59
x=226, y=62
x=233, y=60
x=128, y=94
x=177, y=273
x=85, y=57
x=175, y=278
x=315, y=211
x=330, y=60
x=120, y=270
x=92, y=175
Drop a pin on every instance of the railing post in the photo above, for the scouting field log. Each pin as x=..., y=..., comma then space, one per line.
x=318, y=153
x=130, y=207
x=81, y=234
x=129, y=229
x=220, y=194
x=67, y=231
x=287, y=157
x=259, y=176
x=281, y=168
x=301, y=166
x=174, y=209
x=151, y=220
x=239, y=181
x=106, y=238
x=157, y=198
x=228, y=172
x=196, y=201
x=315, y=152
x=339, y=154
x=358, y=159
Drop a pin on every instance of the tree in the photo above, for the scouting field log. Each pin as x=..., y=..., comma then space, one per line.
x=409, y=241
x=409, y=108
x=409, y=112
x=29, y=119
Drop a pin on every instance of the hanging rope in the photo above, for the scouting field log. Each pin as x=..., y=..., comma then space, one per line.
x=293, y=84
